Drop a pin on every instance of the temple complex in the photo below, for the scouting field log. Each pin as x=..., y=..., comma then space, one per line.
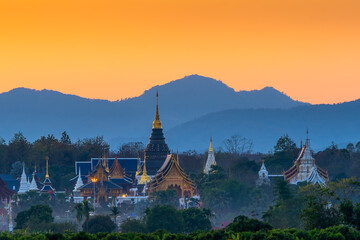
x=172, y=176
x=210, y=160
x=118, y=180
x=156, y=150
x=303, y=170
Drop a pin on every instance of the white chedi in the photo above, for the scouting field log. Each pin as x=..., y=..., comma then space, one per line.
x=24, y=184
x=79, y=182
x=76, y=192
x=210, y=160
x=33, y=185
x=263, y=176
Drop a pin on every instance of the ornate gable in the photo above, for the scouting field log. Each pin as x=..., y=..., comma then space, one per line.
x=116, y=170
x=171, y=175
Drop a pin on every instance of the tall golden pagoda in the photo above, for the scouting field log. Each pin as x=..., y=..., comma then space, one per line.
x=156, y=150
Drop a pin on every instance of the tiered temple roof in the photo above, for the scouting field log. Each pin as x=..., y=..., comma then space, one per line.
x=47, y=183
x=107, y=182
x=172, y=176
x=304, y=167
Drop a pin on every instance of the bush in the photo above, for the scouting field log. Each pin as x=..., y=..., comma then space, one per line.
x=245, y=224
x=132, y=225
x=164, y=217
x=99, y=224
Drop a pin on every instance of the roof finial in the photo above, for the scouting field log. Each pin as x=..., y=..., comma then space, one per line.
x=47, y=167
x=157, y=122
x=138, y=166
x=144, y=177
x=307, y=137
x=211, y=148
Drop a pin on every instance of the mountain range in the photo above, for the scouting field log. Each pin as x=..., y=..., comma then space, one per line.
x=192, y=109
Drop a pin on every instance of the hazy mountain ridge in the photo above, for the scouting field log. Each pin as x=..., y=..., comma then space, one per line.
x=326, y=123
x=182, y=103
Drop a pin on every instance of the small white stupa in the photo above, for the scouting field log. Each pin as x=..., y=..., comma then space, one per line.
x=263, y=176
x=210, y=160
x=76, y=192
x=33, y=185
x=79, y=181
x=24, y=184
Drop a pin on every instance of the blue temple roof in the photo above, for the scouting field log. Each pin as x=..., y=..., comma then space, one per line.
x=11, y=182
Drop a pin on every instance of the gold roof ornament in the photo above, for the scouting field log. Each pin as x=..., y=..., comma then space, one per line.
x=47, y=167
x=138, y=166
x=157, y=122
x=211, y=147
x=144, y=177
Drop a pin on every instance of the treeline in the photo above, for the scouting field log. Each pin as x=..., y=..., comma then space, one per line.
x=332, y=233
x=234, y=156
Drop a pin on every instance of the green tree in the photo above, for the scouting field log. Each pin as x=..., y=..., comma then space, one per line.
x=4, y=161
x=19, y=148
x=164, y=217
x=133, y=225
x=131, y=149
x=34, y=218
x=318, y=213
x=115, y=212
x=357, y=146
x=99, y=224
x=238, y=145
x=16, y=169
x=196, y=219
x=79, y=212
x=167, y=197
x=284, y=144
x=245, y=224
x=287, y=209
x=87, y=209
x=65, y=139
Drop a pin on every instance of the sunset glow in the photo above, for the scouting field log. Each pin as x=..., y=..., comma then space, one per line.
x=309, y=49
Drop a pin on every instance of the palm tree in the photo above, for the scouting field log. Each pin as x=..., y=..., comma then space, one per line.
x=114, y=212
x=79, y=209
x=86, y=211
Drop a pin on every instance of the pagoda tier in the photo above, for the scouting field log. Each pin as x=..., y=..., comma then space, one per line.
x=172, y=176
x=156, y=150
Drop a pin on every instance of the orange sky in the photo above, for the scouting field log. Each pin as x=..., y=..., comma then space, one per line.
x=112, y=49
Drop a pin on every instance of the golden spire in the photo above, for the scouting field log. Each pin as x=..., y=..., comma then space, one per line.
x=138, y=167
x=157, y=122
x=47, y=167
x=144, y=177
x=211, y=148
